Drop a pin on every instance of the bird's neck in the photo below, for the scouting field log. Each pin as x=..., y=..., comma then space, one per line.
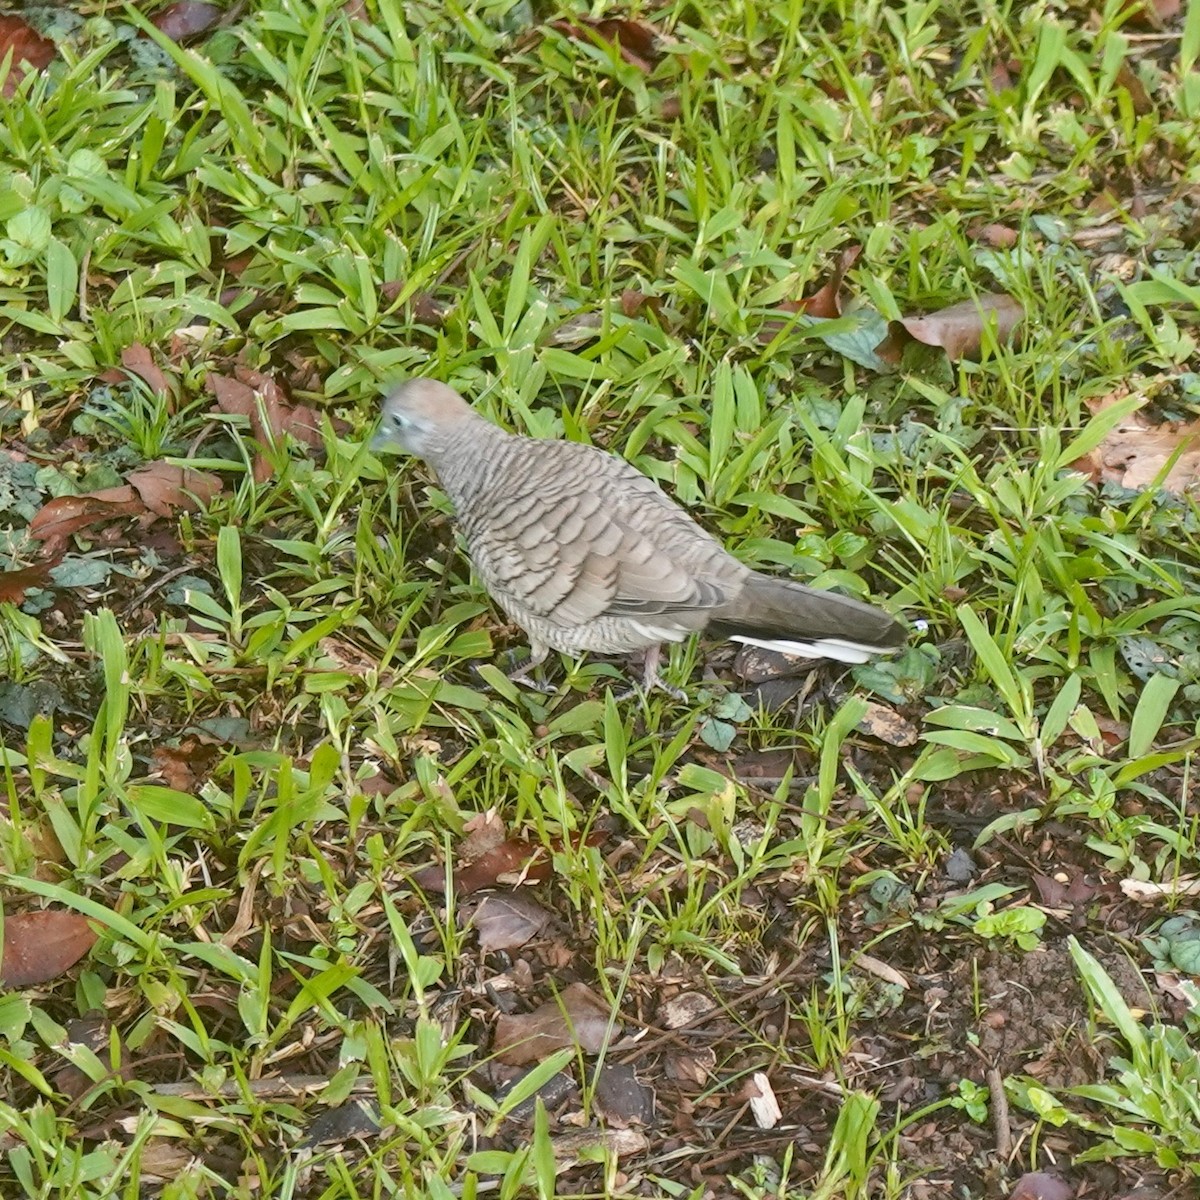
x=469, y=458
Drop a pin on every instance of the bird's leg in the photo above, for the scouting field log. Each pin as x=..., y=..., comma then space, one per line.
x=538, y=652
x=650, y=679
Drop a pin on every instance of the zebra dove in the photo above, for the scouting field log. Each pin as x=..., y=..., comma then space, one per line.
x=585, y=553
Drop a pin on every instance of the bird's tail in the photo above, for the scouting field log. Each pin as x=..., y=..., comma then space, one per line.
x=778, y=614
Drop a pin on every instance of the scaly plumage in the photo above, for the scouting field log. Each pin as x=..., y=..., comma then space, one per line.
x=586, y=553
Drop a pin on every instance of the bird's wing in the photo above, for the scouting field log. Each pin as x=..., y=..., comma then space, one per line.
x=587, y=536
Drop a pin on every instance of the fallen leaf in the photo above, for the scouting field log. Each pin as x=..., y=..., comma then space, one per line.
x=261, y=400
x=40, y=946
x=621, y=1097
x=186, y=19
x=577, y=330
x=1145, y=892
x=1133, y=453
x=1152, y=14
x=507, y=921
x=577, y=1017
x=639, y=44
x=1001, y=237
x=756, y=664
x=632, y=302
x=958, y=329
x=30, y=51
x=508, y=862
x=63, y=516
x=1064, y=894
x=1038, y=1185
x=138, y=360
x=355, y=1119
x=164, y=487
x=760, y=1095
x=882, y=970
x=487, y=858
x=685, y=1009
x=888, y=725
x=185, y=766
x=825, y=302
x=1138, y=96
x=14, y=584
x=1003, y=74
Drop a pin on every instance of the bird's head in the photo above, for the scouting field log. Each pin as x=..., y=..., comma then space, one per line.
x=420, y=417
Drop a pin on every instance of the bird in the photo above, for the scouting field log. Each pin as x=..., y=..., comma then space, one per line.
x=587, y=554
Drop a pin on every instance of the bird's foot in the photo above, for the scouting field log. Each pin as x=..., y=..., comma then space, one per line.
x=651, y=681
x=522, y=673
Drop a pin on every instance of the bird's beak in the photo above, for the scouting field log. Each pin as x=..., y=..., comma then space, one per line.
x=380, y=442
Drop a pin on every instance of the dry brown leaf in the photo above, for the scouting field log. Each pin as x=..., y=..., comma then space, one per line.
x=638, y=43
x=507, y=921
x=1152, y=14
x=958, y=329
x=576, y=1017
x=884, y=971
x=186, y=19
x=185, y=766
x=63, y=516
x=14, y=584
x=137, y=360
x=258, y=398
x=30, y=51
x=40, y=946
x=824, y=302
x=165, y=488
x=999, y=236
x=623, y=1099
x=1038, y=1185
x=1134, y=453
x=888, y=725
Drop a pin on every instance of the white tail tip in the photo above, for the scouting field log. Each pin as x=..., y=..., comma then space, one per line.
x=835, y=648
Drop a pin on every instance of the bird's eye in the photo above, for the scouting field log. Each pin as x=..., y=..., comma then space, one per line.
x=399, y=420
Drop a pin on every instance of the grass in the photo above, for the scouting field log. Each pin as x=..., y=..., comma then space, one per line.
x=251, y=741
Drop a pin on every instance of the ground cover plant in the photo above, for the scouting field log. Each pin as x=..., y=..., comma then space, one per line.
x=302, y=897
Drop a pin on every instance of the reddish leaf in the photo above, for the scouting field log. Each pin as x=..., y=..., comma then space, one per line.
x=824, y=302
x=1152, y=14
x=63, y=516
x=958, y=329
x=138, y=360
x=40, y=946
x=30, y=51
x=577, y=1017
x=487, y=858
x=426, y=309
x=637, y=42
x=507, y=862
x=165, y=488
x=632, y=303
x=14, y=584
x=184, y=766
x=1038, y=1185
x=261, y=400
x=186, y=19
x=999, y=236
